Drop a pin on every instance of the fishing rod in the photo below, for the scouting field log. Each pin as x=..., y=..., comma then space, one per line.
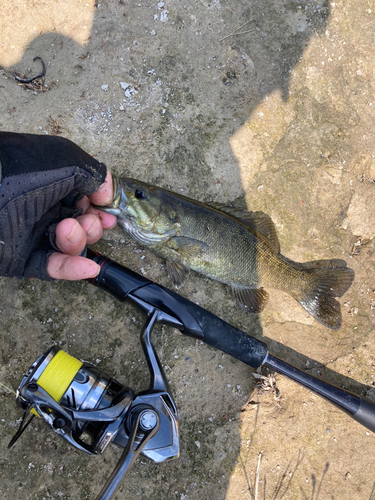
x=197, y=322
x=90, y=409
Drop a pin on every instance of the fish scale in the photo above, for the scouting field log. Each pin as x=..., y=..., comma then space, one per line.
x=228, y=260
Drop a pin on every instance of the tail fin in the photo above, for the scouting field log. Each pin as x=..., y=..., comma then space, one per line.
x=318, y=297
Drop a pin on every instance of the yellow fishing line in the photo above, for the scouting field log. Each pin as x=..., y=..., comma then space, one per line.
x=7, y=388
x=59, y=374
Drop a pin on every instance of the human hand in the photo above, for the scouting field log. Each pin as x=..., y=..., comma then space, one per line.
x=72, y=236
x=41, y=232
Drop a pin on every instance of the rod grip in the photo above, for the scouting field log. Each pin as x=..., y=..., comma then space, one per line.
x=196, y=321
x=225, y=337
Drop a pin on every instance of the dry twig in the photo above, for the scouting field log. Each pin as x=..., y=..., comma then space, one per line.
x=257, y=477
x=37, y=86
x=268, y=384
x=239, y=33
x=55, y=127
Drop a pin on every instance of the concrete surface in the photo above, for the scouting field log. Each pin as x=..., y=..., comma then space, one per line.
x=267, y=104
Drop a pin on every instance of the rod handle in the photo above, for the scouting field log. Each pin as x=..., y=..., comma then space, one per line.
x=196, y=322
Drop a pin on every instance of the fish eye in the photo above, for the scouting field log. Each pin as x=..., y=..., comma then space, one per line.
x=139, y=194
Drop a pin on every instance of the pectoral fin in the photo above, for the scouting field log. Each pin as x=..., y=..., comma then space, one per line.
x=253, y=299
x=189, y=247
x=177, y=273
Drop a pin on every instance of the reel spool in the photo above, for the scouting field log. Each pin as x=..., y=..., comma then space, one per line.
x=89, y=409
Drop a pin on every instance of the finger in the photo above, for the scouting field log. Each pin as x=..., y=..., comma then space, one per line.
x=104, y=195
x=67, y=267
x=70, y=237
x=92, y=227
x=84, y=204
x=107, y=220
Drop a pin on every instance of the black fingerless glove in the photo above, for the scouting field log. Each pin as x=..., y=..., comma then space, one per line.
x=42, y=178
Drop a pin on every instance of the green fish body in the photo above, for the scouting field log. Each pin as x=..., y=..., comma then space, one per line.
x=240, y=249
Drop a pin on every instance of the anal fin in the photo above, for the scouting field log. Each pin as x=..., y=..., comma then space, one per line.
x=252, y=299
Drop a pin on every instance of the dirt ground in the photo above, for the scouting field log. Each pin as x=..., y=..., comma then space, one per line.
x=269, y=105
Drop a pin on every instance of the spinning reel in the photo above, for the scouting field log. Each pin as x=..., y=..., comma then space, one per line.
x=89, y=409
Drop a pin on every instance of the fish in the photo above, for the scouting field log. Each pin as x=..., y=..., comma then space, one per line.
x=238, y=248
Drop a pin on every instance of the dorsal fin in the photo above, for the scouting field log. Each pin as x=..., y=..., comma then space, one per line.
x=261, y=222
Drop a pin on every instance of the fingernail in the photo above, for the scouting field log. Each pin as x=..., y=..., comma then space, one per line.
x=75, y=234
x=94, y=272
x=94, y=230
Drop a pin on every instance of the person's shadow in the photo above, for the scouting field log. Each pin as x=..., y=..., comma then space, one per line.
x=156, y=94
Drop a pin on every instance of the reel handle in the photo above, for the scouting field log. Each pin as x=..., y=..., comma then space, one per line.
x=127, y=459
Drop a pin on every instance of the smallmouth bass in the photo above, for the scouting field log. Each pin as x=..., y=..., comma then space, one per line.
x=238, y=248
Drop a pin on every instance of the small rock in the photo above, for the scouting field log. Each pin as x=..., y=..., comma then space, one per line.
x=164, y=15
x=129, y=89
